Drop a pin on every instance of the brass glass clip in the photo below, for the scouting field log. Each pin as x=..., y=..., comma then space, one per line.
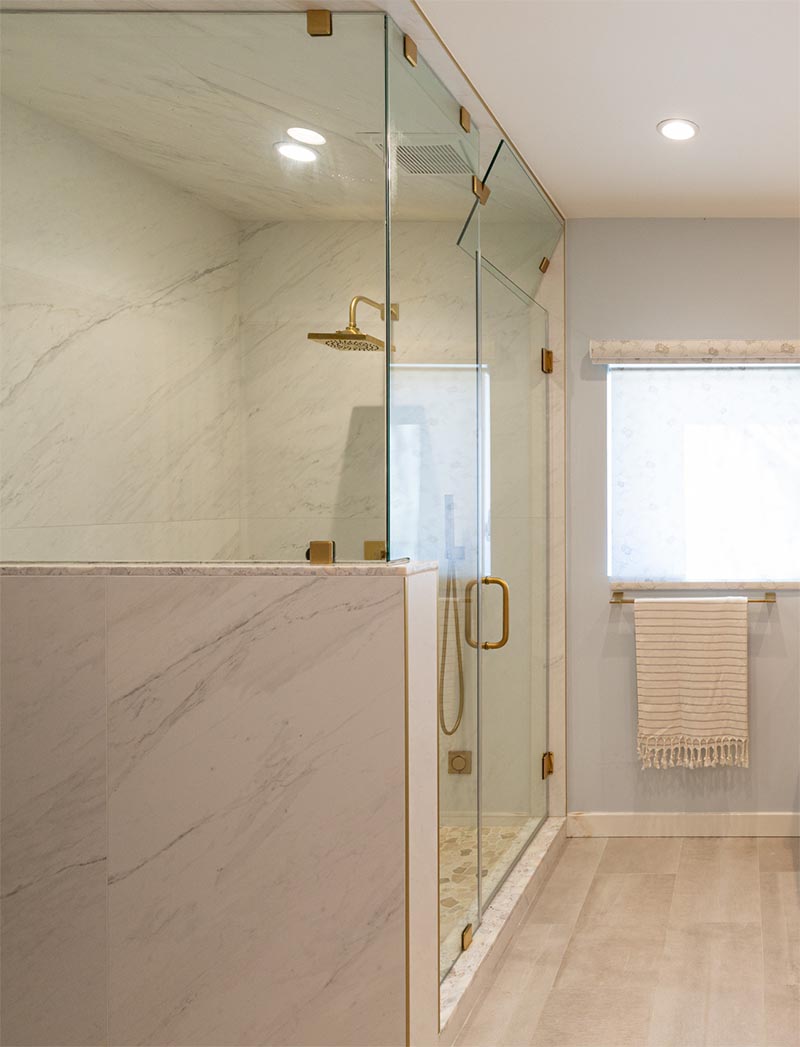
x=319, y=23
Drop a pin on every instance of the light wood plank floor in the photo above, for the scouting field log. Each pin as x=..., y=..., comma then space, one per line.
x=654, y=943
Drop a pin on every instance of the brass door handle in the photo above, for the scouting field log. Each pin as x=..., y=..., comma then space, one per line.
x=487, y=645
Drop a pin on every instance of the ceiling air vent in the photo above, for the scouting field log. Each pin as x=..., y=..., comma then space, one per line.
x=426, y=154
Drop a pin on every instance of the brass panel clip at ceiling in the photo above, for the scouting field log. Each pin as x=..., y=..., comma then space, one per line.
x=410, y=50
x=319, y=23
x=544, y=265
x=480, y=190
x=465, y=119
x=548, y=764
x=547, y=361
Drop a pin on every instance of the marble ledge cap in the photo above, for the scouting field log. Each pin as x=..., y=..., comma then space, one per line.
x=360, y=569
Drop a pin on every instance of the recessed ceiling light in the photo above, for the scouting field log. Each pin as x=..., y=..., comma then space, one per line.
x=293, y=151
x=306, y=135
x=678, y=130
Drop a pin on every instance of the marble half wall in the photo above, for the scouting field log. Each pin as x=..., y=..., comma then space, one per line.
x=205, y=778
x=53, y=975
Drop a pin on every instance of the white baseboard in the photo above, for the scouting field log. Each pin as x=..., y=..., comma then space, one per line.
x=641, y=823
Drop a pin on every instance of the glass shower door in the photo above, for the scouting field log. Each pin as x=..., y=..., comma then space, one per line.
x=518, y=234
x=514, y=608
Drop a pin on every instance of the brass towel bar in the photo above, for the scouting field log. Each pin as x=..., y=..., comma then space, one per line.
x=618, y=596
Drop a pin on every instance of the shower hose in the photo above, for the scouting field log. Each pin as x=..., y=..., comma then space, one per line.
x=451, y=597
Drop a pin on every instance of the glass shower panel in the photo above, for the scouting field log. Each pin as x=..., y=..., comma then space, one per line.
x=168, y=246
x=514, y=676
x=433, y=423
x=518, y=229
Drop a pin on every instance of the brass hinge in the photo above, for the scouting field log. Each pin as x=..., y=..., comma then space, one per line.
x=548, y=764
x=465, y=119
x=547, y=361
x=480, y=190
x=544, y=265
x=409, y=50
x=319, y=23
x=466, y=937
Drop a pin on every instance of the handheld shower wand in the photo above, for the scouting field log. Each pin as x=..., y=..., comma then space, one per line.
x=451, y=597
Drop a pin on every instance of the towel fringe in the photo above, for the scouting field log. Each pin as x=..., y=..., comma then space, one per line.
x=680, y=750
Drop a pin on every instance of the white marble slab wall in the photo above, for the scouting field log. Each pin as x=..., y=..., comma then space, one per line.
x=120, y=399
x=314, y=421
x=205, y=779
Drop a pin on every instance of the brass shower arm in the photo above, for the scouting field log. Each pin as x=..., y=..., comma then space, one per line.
x=375, y=305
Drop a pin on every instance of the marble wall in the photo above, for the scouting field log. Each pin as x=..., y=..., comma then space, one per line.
x=203, y=813
x=162, y=400
x=313, y=417
x=120, y=400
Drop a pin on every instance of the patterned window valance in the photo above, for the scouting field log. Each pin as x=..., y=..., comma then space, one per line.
x=707, y=351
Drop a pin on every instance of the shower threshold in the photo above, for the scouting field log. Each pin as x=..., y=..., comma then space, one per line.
x=501, y=845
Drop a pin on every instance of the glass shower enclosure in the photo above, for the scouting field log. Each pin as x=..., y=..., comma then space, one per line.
x=185, y=277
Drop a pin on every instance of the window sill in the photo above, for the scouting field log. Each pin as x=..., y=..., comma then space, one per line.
x=710, y=586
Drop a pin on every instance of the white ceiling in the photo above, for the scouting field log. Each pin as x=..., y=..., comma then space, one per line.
x=201, y=99
x=581, y=84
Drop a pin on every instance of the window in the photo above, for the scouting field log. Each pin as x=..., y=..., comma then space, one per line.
x=704, y=473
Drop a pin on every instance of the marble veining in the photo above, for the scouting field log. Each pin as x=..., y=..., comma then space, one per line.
x=53, y=825
x=203, y=814
x=120, y=418
x=246, y=78
x=244, y=779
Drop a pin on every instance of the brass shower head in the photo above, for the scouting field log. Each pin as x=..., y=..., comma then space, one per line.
x=352, y=337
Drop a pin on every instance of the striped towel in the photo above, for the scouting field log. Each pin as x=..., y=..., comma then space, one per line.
x=691, y=675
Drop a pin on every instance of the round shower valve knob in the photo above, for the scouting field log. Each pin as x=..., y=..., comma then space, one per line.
x=459, y=761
